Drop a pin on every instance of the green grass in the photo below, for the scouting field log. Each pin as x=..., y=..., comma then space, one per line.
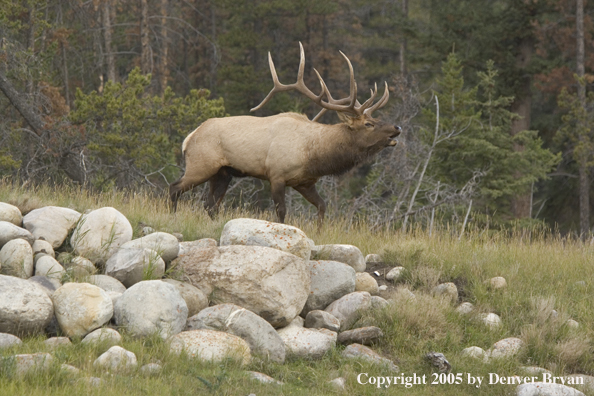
x=542, y=271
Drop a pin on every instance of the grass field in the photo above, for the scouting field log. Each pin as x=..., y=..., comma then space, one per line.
x=544, y=272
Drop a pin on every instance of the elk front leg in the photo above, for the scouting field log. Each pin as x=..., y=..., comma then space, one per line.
x=278, y=196
x=310, y=193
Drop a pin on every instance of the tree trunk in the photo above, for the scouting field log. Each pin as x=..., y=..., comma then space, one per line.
x=520, y=204
x=403, y=43
x=110, y=57
x=145, y=50
x=163, y=65
x=29, y=114
x=584, y=172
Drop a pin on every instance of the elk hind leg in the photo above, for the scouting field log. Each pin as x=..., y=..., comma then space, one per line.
x=310, y=193
x=185, y=183
x=217, y=188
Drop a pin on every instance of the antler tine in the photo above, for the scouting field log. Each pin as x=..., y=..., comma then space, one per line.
x=369, y=101
x=353, y=83
x=380, y=103
x=278, y=87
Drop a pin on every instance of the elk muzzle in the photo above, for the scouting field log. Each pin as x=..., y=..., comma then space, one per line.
x=397, y=131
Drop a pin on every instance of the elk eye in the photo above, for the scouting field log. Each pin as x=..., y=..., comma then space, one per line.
x=368, y=124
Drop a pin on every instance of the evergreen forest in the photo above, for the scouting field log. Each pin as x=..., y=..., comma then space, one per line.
x=495, y=99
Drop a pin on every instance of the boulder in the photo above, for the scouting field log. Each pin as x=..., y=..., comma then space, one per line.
x=151, y=369
x=498, y=282
x=103, y=335
x=166, y=245
x=195, y=298
x=373, y=258
x=269, y=282
x=362, y=335
x=107, y=283
x=378, y=302
x=9, y=231
x=395, y=274
x=81, y=308
x=263, y=378
x=166, y=314
x=51, y=223
x=546, y=389
x=258, y=333
x=474, y=352
x=41, y=247
x=307, y=343
x=347, y=254
x=490, y=320
x=252, y=232
x=448, y=291
x=330, y=280
x=358, y=351
x=212, y=346
x=465, y=308
x=79, y=266
x=348, y=308
x=505, y=348
x=116, y=358
x=16, y=259
x=318, y=319
x=49, y=267
x=100, y=233
x=366, y=282
x=32, y=362
x=11, y=214
x=9, y=340
x=55, y=342
x=185, y=247
x=133, y=265
x=24, y=307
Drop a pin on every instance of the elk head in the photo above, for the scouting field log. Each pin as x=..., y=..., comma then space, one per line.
x=368, y=132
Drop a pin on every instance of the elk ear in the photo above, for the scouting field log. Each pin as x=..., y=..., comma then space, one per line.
x=347, y=119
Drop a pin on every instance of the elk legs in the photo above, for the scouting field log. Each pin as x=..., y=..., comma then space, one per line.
x=278, y=196
x=310, y=193
x=217, y=188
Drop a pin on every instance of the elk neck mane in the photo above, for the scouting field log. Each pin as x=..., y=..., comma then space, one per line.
x=334, y=151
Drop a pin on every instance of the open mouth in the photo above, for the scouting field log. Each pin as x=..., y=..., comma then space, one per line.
x=393, y=142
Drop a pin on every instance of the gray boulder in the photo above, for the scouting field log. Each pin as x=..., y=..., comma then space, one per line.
x=51, y=223
x=16, y=259
x=24, y=307
x=348, y=309
x=252, y=232
x=100, y=233
x=107, y=283
x=211, y=346
x=10, y=213
x=195, y=298
x=347, y=254
x=116, y=358
x=258, y=333
x=151, y=307
x=103, y=335
x=330, y=280
x=166, y=245
x=9, y=340
x=185, y=247
x=358, y=351
x=307, y=343
x=132, y=265
x=269, y=282
x=9, y=231
x=49, y=267
x=322, y=320
x=546, y=389
x=81, y=308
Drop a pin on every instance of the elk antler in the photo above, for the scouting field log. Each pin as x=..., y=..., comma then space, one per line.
x=349, y=104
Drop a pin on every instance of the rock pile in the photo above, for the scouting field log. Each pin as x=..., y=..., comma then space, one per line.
x=265, y=291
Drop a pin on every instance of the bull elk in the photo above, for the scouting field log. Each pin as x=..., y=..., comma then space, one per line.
x=286, y=149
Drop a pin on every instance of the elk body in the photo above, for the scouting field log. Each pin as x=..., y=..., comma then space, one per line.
x=286, y=149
